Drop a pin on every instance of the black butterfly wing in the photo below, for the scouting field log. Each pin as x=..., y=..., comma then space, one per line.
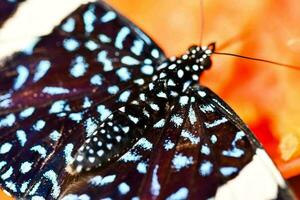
x=200, y=150
x=55, y=95
x=7, y=8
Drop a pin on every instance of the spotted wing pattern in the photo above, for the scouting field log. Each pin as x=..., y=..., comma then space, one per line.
x=199, y=150
x=7, y=8
x=57, y=93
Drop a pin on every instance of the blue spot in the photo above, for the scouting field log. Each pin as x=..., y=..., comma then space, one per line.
x=70, y=44
x=205, y=168
x=96, y=80
x=104, y=112
x=147, y=69
x=113, y=89
x=227, y=171
x=25, y=167
x=121, y=37
x=89, y=18
x=123, y=74
x=90, y=127
x=124, y=188
x=102, y=58
x=236, y=153
x=137, y=47
x=55, y=90
x=8, y=120
x=55, y=135
x=79, y=67
x=76, y=117
x=21, y=135
x=109, y=16
x=41, y=69
x=124, y=96
x=104, y=39
x=69, y=25
x=39, y=125
x=27, y=112
x=91, y=45
x=59, y=106
x=5, y=148
x=205, y=150
x=128, y=60
x=40, y=150
x=23, y=74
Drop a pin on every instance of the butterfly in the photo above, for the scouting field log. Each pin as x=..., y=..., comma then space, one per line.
x=96, y=111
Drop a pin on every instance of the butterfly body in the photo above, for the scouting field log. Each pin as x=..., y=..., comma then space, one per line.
x=99, y=95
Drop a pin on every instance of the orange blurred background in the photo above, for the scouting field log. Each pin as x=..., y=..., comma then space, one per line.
x=265, y=96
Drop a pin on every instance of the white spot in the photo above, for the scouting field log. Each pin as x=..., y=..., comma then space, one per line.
x=55, y=90
x=41, y=70
x=68, y=153
x=27, y=112
x=133, y=119
x=109, y=16
x=21, y=135
x=96, y=180
x=123, y=74
x=177, y=120
x=90, y=127
x=183, y=100
x=25, y=167
x=171, y=82
x=24, y=186
x=213, y=139
x=155, y=186
x=206, y=108
x=147, y=69
x=10, y=185
x=69, y=25
x=52, y=176
x=102, y=58
x=128, y=60
x=130, y=156
x=192, y=116
x=168, y=145
x=139, y=81
x=202, y=93
x=180, y=161
x=162, y=95
x=142, y=168
x=39, y=149
x=39, y=125
x=181, y=194
x=124, y=96
x=5, y=148
x=154, y=107
x=96, y=80
x=113, y=89
x=78, y=67
x=107, y=179
x=70, y=44
x=121, y=37
x=137, y=47
x=188, y=135
x=7, y=174
x=124, y=188
x=205, y=168
x=103, y=111
x=180, y=73
x=155, y=53
x=23, y=74
x=160, y=123
x=8, y=120
x=55, y=135
x=216, y=122
x=145, y=144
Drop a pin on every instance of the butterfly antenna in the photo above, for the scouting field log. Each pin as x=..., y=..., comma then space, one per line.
x=259, y=59
x=201, y=21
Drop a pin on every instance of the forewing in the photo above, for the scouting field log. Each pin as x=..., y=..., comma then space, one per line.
x=56, y=94
x=199, y=150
